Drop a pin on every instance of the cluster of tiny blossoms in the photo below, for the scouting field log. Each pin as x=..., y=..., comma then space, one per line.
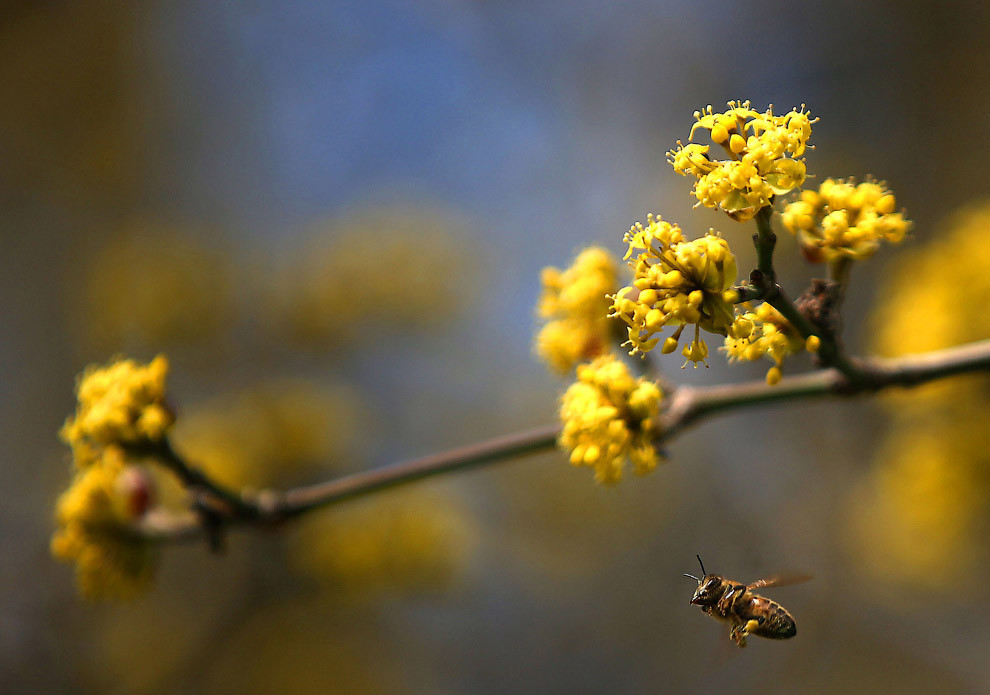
x=120, y=405
x=91, y=517
x=610, y=416
x=574, y=304
x=763, y=332
x=845, y=220
x=762, y=157
x=676, y=283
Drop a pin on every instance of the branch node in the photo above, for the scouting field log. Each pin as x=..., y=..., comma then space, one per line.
x=820, y=305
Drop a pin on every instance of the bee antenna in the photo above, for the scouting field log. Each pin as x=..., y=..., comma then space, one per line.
x=703, y=572
x=691, y=576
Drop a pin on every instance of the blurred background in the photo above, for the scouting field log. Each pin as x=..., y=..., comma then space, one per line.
x=332, y=217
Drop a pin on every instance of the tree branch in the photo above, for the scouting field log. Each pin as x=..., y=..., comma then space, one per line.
x=687, y=406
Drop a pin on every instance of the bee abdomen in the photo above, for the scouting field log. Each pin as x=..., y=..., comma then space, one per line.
x=774, y=621
x=778, y=626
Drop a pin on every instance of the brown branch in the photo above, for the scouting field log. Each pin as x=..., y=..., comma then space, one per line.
x=506, y=447
x=687, y=406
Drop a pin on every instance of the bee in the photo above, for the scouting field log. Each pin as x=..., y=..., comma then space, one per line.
x=746, y=612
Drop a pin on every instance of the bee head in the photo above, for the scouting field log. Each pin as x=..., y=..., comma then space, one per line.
x=710, y=587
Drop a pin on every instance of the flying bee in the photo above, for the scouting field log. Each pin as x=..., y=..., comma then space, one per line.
x=746, y=612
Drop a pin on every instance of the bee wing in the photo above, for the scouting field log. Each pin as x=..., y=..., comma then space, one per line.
x=779, y=580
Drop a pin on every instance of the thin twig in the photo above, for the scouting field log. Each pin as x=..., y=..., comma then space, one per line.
x=192, y=477
x=686, y=407
x=502, y=448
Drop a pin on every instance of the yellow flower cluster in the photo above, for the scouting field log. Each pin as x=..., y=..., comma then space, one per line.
x=121, y=403
x=917, y=516
x=763, y=332
x=676, y=283
x=265, y=434
x=575, y=305
x=91, y=516
x=414, y=541
x=762, y=157
x=845, y=219
x=609, y=416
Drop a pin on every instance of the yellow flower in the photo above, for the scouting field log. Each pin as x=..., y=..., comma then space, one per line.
x=676, y=283
x=121, y=403
x=91, y=517
x=610, y=416
x=762, y=153
x=575, y=304
x=763, y=332
x=845, y=220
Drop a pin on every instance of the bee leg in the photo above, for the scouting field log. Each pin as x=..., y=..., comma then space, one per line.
x=739, y=632
x=738, y=635
x=725, y=603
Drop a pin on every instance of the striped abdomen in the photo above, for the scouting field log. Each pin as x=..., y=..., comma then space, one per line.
x=774, y=622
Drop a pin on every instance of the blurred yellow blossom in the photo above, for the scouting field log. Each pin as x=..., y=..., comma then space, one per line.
x=263, y=435
x=843, y=219
x=121, y=403
x=575, y=305
x=413, y=540
x=91, y=517
x=933, y=296
x=913, y=519
x=610, y=416
x=374, y=271
x=676, y=283
x=154, y=284
x=763, y=332
x=762, y=157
